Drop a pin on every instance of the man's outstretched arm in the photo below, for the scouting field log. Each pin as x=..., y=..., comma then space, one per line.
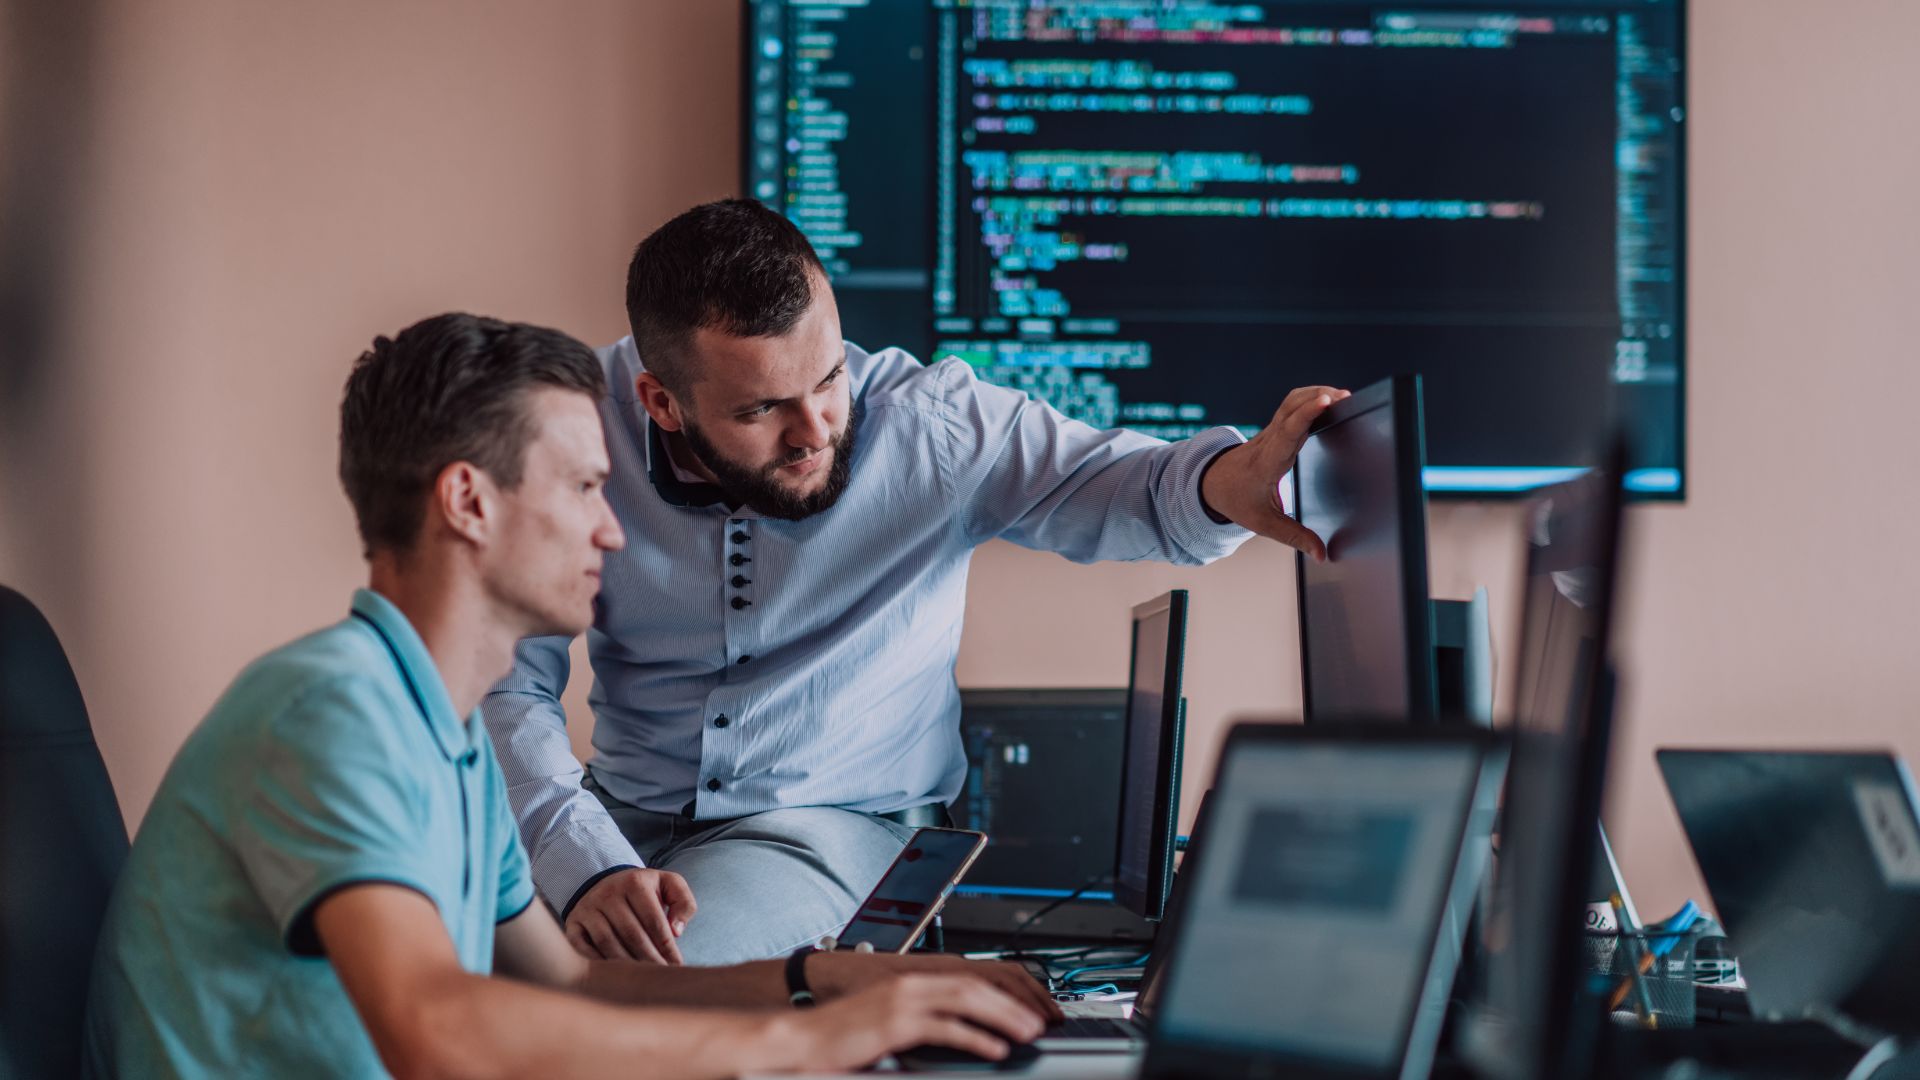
x=1020, y=470
x=429, y=1017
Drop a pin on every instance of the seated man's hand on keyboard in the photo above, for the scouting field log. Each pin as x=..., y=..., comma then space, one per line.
x=836, y=974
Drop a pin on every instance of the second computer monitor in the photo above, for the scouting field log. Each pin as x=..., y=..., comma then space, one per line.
x=1532, y=1020
x=1150, y=770
x=1366, y=635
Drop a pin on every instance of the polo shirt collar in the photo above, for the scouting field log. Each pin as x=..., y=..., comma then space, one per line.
x=417, y=670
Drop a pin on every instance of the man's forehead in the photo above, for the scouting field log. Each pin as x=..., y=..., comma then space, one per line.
x=567, y=427
x=764, y=367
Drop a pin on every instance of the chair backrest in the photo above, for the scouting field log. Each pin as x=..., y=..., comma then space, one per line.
x=62, y=842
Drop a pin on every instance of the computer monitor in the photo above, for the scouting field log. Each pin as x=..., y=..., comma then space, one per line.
x=1041, y=769
x=1150, y=774
x=1164, y=215
x=1321, y=924
x=1528, y=1018
x=1366, y=633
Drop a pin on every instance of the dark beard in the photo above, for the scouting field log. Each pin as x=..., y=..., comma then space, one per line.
x=743, y=485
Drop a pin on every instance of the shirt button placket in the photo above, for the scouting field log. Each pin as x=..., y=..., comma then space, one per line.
x=739, y=578
x=736, y=574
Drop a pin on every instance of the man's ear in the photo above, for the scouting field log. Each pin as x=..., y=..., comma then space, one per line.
x=659, y=401
x=466, y=501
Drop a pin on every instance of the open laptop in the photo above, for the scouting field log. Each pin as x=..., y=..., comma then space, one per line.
x=1108, y=1034
x=1813, y=861
x=1319, y=927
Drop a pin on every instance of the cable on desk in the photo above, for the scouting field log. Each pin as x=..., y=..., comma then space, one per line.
x=1877, y=1055
x=1009, y=945
x=1076, y=972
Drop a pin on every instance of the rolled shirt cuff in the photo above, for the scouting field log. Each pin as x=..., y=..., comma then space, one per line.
x=1191, y=525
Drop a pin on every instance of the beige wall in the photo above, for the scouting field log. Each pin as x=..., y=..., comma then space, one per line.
x=271, y=184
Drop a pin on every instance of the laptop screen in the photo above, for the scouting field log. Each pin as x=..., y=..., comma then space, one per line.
x=1309, y=927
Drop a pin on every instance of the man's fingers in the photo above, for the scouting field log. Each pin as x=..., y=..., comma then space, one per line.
x=1302, y=396
x=653, y=920
x=581, y=943
x=604, y=940
x=1278, y=526
x=961, y=1036
x=1014, y=979
x=678, y=896
x=632, y=935
x=983, y=1003
x=1292, y=423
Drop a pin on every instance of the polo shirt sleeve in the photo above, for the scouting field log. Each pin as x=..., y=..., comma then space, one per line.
x=516, y=871
x=328, y=800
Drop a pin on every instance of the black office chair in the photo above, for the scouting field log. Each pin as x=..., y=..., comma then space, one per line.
x=62, y=842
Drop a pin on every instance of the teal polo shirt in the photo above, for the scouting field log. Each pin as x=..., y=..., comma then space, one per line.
x=333, y=761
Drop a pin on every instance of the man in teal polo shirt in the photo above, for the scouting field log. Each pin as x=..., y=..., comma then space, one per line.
x=330, y=870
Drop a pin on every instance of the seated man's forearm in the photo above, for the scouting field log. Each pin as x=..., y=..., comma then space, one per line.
x=472, y=1026
x=761, y=984
x=429, y=1017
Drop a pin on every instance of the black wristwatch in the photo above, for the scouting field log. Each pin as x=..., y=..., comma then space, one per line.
x=799, y=994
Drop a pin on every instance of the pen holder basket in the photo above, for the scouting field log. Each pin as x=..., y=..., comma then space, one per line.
x=1653, y=967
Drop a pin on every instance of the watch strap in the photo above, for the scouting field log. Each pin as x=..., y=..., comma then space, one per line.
x=799, y=994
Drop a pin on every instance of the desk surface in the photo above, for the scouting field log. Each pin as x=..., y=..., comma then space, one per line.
x=1051, y=1067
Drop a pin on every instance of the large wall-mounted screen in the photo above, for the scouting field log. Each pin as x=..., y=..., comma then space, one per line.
x=1162, y=214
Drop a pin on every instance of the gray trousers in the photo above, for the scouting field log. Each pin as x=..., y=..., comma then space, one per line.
x=768, y=883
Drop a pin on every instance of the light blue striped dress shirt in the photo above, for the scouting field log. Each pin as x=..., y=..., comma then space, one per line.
x=828, y=644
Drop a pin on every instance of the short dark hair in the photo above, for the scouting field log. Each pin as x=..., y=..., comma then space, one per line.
x=732, y=265
x=446, y=389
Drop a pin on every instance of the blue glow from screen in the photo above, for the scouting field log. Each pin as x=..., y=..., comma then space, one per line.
x=1500, y=479
x=1013, y=890
x=1653, y=480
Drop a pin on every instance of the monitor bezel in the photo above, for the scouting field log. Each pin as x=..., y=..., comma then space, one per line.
x=1560, y=1032
x=1401, y=394
x=1562, y=1039
x=1151, y=904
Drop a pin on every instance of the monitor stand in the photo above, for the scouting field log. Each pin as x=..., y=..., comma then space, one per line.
x=1463, y=659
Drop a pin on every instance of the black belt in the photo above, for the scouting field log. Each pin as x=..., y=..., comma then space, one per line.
x=931, y=815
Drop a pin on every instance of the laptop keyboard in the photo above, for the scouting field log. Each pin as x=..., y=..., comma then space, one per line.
x=1093, y=1027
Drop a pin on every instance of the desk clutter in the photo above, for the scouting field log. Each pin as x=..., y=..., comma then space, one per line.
x=1396, y=888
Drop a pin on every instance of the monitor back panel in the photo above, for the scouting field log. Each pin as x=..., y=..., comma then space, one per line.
x=1366, y=636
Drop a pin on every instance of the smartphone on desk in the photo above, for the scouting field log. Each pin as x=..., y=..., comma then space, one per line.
x=913, y=889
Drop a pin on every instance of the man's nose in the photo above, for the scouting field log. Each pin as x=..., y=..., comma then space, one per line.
x=609, y=536
x=811, y=430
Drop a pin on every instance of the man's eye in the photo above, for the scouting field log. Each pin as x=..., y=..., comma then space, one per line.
x=833, y=378
x=761, y=411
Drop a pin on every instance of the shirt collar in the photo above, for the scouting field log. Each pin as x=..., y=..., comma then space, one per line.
x=417, y=670
x=674, y=490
